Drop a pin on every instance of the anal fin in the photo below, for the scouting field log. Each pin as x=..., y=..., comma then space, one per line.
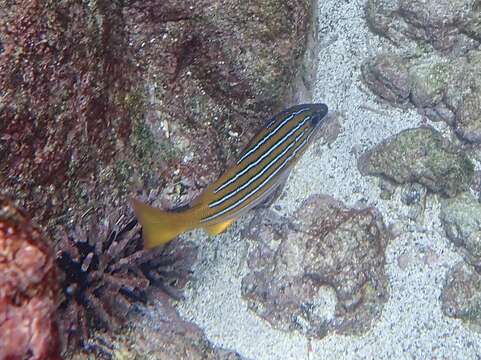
x=218, y=228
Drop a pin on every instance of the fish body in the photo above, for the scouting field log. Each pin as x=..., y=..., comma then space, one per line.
x=261, y=168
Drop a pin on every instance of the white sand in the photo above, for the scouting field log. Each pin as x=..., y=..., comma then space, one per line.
x=412, y=325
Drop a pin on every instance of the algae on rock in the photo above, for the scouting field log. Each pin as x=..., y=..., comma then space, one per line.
x=420, y=155
x=461, y=219
x=322, y=272
x=443, y=89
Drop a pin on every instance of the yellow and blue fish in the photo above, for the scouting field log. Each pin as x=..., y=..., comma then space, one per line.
x=261, y=168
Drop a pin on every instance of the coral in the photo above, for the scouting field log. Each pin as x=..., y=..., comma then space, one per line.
x=65, y=84
x=28, y=289
x=104, y=97
x=106, y=271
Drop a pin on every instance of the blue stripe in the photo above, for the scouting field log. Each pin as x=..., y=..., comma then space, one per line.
x=262, y=157
x=271, y=134
x=258, y=175
x=261, y=185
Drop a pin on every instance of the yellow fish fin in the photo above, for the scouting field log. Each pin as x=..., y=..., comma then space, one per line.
x=159, y=227
x=216, y=229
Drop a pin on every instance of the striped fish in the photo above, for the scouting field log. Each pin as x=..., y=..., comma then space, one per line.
x=261, y=168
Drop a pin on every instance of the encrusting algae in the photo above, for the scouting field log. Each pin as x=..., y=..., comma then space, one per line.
x=262, y=168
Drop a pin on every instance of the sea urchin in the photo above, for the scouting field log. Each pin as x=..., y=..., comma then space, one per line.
x=106, y=271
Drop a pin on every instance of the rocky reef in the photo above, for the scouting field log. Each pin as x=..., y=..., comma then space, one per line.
x=447, y=26
x=105, y=99
x=164, y=335
x=443, y=89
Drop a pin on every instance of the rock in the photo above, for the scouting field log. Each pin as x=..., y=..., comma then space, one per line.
x=107, y=98
x=447, y=25
x=461, y=295
x=160, y=334
x=420, y=155
x=387, y=76
x=443, y=89
x=28, y=290
x=324, y=256
x=461, y=220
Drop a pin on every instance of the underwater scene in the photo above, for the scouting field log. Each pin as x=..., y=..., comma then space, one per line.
x=240, y=179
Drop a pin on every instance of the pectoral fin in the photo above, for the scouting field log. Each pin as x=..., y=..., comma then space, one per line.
x=216, y=229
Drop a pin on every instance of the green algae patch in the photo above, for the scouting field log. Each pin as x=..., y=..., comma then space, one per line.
x=429, y=81
x=423, y=156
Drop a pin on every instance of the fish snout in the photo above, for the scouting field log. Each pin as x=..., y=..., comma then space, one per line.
x=319, y=112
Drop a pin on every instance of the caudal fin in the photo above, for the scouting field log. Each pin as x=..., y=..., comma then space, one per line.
x=158, y=227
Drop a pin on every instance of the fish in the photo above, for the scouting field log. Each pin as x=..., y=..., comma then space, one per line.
x=262, y=167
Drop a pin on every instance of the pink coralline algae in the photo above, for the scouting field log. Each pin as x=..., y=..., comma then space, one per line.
x=27, y=290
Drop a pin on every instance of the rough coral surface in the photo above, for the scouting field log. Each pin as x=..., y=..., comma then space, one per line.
x=420, y=155
x=28, y=290
x=325, y=247
x=65, y=96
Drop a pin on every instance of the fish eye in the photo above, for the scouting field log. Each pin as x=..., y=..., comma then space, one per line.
x=315, y=119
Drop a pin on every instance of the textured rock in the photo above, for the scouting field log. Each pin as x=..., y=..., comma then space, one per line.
x=66, y=96
x=322, y=272
x=461, y=219
x=101, y=98
x=448, y=25
x=420, y=155
x=28, y=290
x=160, y=335
x=387, y=77
x=461, y=295
x=443, y=89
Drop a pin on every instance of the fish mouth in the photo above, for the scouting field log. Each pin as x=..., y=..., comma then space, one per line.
x=319, y=111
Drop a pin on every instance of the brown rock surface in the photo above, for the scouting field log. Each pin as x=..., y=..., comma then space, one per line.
x=447, y=25
x=461, y=295
x=420, y=155
x=160, y=335
x=323, y=246
x=101, y=99
x=442, y=89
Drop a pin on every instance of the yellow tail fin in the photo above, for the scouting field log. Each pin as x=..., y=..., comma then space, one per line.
x=158, y=227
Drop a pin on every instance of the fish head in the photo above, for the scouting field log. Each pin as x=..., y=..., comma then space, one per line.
x=313, y=118
x=318, y=113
